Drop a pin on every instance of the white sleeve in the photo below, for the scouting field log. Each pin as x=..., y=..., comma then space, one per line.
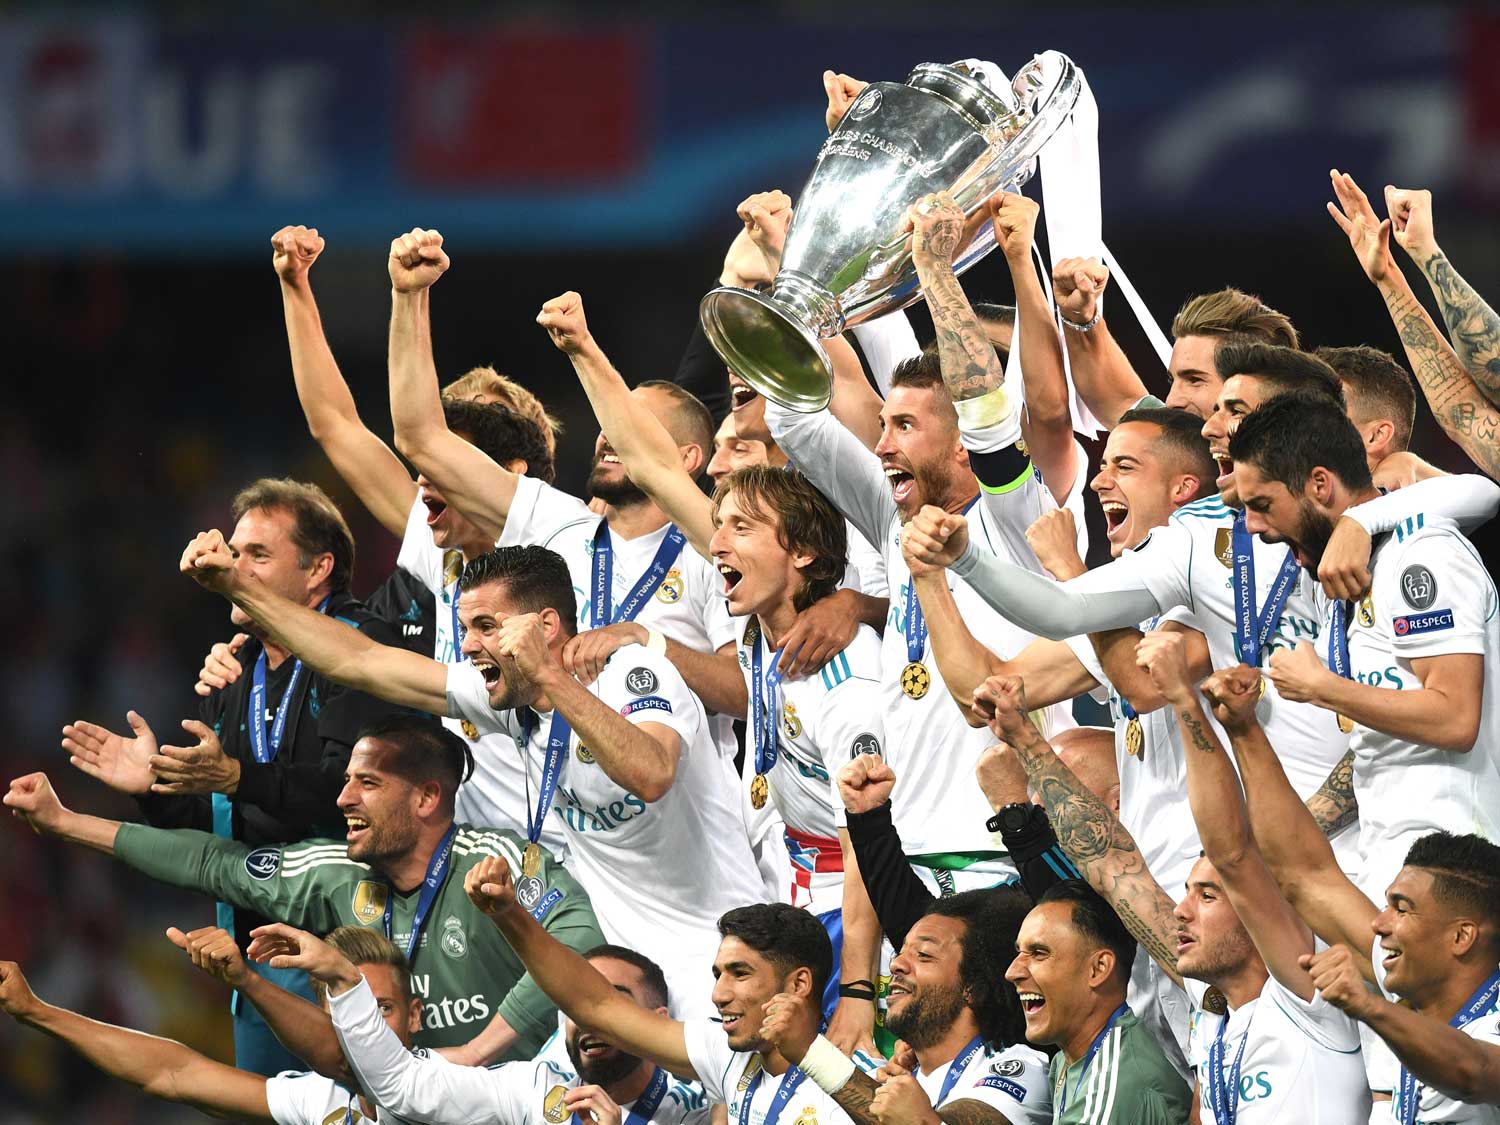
x=420, y=556
x=536, y=511
x=1469, y=500
x=296, y=1098
x=868, y=565
x=1013, y=1082
x=852, y=722
x=838, y=464
x=647, y=688
x=1319, y=1020
x=887, y=342
x=1434, y=596
x=1003, y=518
x=422, y=1087
x=710, y=1055
x=469, y=699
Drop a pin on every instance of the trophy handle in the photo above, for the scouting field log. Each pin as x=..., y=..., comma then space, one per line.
x=770, y=347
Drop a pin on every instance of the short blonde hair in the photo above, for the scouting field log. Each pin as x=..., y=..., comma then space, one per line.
x=1230, y=312
x=488, y=382
x=367, y=947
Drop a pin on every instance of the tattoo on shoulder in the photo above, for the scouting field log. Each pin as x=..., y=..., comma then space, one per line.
x=1473, y=325
x=1334, y=805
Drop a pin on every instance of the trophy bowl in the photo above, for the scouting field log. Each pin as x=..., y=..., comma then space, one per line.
x=847, y=259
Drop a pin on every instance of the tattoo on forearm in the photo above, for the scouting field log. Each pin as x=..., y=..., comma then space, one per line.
x=1471, y=322
x=970, y=366
x=1457, y=402
x=1334, y=805
x=968, y=1111
x=1202, y=740
x=856, y=1095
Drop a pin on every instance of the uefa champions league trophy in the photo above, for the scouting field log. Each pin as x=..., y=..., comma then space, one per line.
x=847, y=259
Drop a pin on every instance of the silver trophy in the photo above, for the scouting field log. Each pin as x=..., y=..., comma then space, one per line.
x=846, y=258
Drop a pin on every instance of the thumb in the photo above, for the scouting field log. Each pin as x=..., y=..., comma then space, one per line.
x=238, y=641
x=177, y=937
x=139, y=725
x=830, y=82
x=202, y=731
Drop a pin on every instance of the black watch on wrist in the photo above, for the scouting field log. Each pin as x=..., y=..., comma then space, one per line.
x=1011, y=818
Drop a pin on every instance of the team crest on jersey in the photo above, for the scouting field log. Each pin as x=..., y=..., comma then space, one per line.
x=585, y=755
x=640, y=681
x=670, y=590
x=865, y=743
x=553, y=1109
x=1418, y=587
x=790, y=721
x=808, y=1116
x=454, y=942
x=263, y=863
x=1367, y=612
x=369, y=901
x=1224, y=546
x=1006, y=1068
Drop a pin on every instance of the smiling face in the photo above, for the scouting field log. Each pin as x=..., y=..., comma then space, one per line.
x=1195, y=381
x=1278, y=515
x=598, y=1061
x=927, y=993
x=263, y=548
x=920, y=452
x=1051, y=973
x=608, y=480
x=379, y=805
x=744, y=979
x=1239, y=395
x=1212, y=943
x=1135, y=485
x=1415, y=935
x=734, y=451
x=482, y=610
x=759, y=573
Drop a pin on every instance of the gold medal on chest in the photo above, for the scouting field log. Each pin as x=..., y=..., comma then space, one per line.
x=1135, y=737
x=915, y=680
x=760, y=789
x=1346, y=724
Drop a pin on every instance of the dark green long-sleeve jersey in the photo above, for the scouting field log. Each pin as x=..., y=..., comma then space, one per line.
x=462, y=967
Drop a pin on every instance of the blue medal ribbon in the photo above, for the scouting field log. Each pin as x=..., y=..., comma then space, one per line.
x=1252, y=630
x=1088, y=1061
x=763, y=687
x=1125, y=708
x=1408, y=1088
x=789, y=1083
x=458, y=636
x=1224, y=1092
x=266, y=745
x=957, y=1067
x=603, y=577
x=437, y=870
x=646, y=1105
x=1338, y=638
x=558, y=736
x=913, y=624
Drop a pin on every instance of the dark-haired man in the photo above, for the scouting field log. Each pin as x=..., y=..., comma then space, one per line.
x=1380, y=395
x=1413, y=668
x=394, y=870
x=626, y=762
x=768, y=954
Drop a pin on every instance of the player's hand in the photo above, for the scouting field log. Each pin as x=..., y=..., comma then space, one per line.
x=585, y=655
x=819, y=633
x=1336, y=975
x=121, y=763
x=489, y=886
x=1163, y=654
x=1015, y=224
x=33, y=799
x=200, y=768
x=565, y=323
x=903, y=1060
x=841, y=90
x=1077, y=285
x=16, y=997
x=1369, y=236
x=1002, y=701
x=784, y=1026
x=755, y=254
x=900, y=1100
x=417, y=260
x=286, y=947
x=209, y=561
x=936, y=223
x=1344, y=568
x=221, y=667
x=852, y=1026
x=213, y=950
x=934, y=537
x=1053, y=538
x=865, y=782
x=591, y=1103
x=1298, y=674
x=1232, y=693
x=1001, y=777
x=1410, y=210
x=293, y=251
x=522, y=639
x=1399, y=470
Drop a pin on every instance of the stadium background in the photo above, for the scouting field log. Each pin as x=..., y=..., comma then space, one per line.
x=146, y=155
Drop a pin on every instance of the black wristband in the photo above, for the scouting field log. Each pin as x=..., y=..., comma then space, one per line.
x=858, y=990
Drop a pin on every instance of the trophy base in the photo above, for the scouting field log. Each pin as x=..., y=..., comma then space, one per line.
x=768, y=347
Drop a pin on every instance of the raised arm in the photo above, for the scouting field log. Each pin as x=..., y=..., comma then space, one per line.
x=468, y=479
x=1290, y=841
x=162, y=1068
x=366, y=463
x=578, y=988
x=1218, y=806
x=650, y=456
x=1105, y=380
x=343, y=654
x=1101, y=849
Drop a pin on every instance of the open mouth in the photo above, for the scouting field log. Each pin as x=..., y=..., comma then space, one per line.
x=741, y=395
x=609, y=457
x=490, y=672
x=592, y=1048
x=1032, y=1002
x=901, y=483
x=1390, y=958
x=730, y=1021
x=435, y=509
x=732, y=578
x=1226, y=466
x=1184, y=941
x=1115, y=512
x=356, y=826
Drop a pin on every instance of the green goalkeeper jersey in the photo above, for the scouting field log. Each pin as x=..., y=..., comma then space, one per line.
x=462, y=967
x=1124, y=1079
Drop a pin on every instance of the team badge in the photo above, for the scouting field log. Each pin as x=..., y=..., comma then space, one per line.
x=808, y=1116
x=453, y=942
x=529, y=891
x=1006, y=1068
x=263, y=863
x=1135, y=737
x=1418, y=587
x=1214, y=1002
x=1022, y=448
x=585, y=755
x=1367, y=612
x=760, y=789
x=553, y=1109
x=471, y=732
x=640, y=681
x=670, y=590
x=1224, y=546
x=915, y=680
x=865, y=743
x=790, y=721
x=369, y=901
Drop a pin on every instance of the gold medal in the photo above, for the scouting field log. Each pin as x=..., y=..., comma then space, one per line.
x=471, y=732
x=915, y=680
x=531, y=861
x=1262, y=687
x=760, y=789
x=1214, y=1002
x=1346, y=724
x=1135, y=737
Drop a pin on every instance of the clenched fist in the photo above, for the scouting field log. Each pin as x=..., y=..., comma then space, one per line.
x=1077, y=285
x=564, y=321
x=293, y=251
x=209, y=561
x=417, y=260
x=489, y=887
x=865, y=782
x=934, y=537
x=1015, y=224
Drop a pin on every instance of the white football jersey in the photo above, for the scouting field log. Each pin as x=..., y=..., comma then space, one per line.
x=495, y=794
x=1012, y=1081
x=866, y=566
x=1301, y=1059
x=1430, y=596
x=298, y=1098
x=822, y=720
x=660, y=874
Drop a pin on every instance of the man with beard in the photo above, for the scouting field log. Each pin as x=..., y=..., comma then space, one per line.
x=1414, y=668
x=395, y=870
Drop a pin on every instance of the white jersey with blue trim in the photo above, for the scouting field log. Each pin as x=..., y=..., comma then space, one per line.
x=495, y=793
x=1430, y=596
x=661, y=873
x=305, y=1098
x=822, y=721
x=1011, y=1080
x=1301, y=1062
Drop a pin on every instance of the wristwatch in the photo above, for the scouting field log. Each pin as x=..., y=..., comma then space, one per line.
x=1011, y=818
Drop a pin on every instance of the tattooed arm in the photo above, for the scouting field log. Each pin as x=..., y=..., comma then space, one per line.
x=1334, y=806
x=1091, y=835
